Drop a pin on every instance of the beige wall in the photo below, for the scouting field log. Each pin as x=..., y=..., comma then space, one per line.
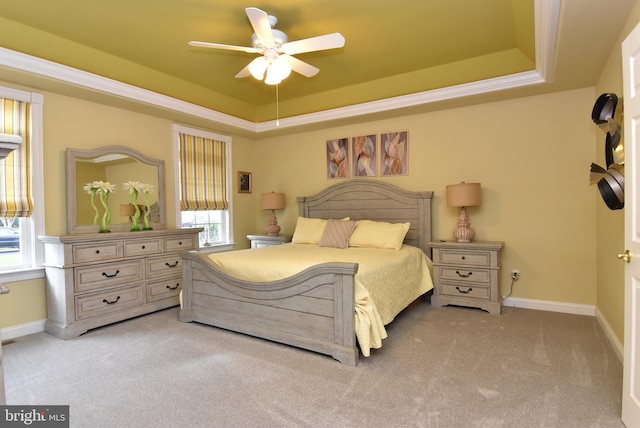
x=532, y=157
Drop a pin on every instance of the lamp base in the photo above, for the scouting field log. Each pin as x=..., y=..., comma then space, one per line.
x=464, y=232
x=272, y=228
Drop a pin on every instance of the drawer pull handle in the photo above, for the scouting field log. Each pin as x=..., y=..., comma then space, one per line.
x=143, y=247
x=180, y=243
x=111, y=303
x=110, y=276
x=170, y=265
x=464, y=276
x=97, y=251
x=464, y=292
x=463, y=258
x=173, y=288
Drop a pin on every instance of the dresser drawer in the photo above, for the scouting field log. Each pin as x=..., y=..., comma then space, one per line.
x=96, y=252
x=463, y=258
x=181, y=243
x=89, y=278
x=97, y=304
x=164, y=265
x=142, y=247
x=163, y=289
x=464, y=275
x=466, y=290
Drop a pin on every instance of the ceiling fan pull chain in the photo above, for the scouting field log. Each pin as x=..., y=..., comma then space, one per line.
x=277, y=107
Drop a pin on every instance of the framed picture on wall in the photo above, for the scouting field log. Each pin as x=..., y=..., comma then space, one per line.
x=244, y=182
x=364, y=156
x=394, y=149
x=338, y=158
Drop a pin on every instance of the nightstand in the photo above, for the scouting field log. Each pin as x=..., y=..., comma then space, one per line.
x=467, y=274
x=259, y=241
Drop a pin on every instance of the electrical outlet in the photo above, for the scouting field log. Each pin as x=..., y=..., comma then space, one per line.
x=515, y=274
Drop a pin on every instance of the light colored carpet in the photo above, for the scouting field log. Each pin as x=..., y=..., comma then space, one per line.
x=440, y=367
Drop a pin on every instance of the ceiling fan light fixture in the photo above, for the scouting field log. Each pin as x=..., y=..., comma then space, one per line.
x=257, y=67
x=277, y=71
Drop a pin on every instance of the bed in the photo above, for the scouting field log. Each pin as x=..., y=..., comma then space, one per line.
x=316, y=308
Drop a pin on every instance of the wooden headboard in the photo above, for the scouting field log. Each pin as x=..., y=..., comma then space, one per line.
x=364, y=199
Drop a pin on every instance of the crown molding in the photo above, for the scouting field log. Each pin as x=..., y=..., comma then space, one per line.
x=546, y=24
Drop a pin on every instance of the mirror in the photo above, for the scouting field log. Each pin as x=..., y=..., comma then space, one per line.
x=117, y=165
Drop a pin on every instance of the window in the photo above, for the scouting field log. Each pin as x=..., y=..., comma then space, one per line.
x=21, y=187
x=203, y=180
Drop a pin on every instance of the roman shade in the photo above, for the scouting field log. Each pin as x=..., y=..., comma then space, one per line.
x=15, y=169
x=203, y=172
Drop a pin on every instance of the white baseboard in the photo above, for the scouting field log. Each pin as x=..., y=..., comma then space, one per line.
x=545, y=305
x=22, y=330
x=613, y=339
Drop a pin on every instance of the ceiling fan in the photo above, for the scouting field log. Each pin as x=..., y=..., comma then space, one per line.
x=276, y=61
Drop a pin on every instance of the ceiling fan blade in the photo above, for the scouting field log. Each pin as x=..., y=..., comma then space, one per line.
x=221, y=46
x=300, y=67
x=243, y=73
x=260, y=23
x=319, y=43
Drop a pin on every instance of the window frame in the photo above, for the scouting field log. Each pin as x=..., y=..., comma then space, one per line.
x=225, y=244
x=32, y=227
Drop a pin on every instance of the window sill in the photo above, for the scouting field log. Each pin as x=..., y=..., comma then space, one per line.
x=22, y=274
x=217, y=248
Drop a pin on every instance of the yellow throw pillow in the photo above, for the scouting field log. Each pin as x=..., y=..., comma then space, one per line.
x=308, y=230
x=378, y=234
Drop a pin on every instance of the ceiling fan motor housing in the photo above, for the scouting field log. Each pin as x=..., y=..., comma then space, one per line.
x=279, y=38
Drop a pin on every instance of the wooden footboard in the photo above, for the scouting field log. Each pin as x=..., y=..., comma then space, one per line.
x=313, y=309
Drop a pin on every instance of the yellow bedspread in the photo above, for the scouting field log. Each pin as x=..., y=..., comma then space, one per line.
x=387, y=280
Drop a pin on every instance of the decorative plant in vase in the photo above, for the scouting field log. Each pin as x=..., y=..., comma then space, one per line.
x=147, y=189
x=92, y=190
x=134, y=188
x=104, y=189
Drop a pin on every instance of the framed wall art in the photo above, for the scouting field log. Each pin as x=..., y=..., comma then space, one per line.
x=338, y=158
x=244, y=182
x=394, y=149
x=364, y=156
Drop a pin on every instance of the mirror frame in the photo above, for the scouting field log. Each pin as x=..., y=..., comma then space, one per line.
x=74, y=154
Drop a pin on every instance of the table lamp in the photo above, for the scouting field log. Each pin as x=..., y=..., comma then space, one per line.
x=272, y=201
x=463, y=195
x=127, y=210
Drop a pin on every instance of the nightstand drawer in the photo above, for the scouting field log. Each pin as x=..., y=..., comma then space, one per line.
x=466, y=290
x=460, y=258
x=462, y=274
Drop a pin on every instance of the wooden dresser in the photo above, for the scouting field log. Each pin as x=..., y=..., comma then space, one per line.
x=467, y=274
x=96, y=279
